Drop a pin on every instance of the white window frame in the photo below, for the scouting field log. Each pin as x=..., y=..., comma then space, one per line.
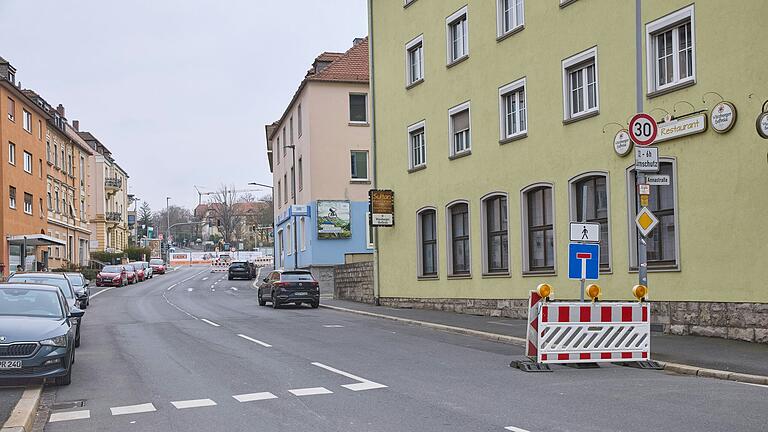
x=12, y=199
x=289, y=239
x=524, y=244
x=27, y=162
x=349, y=111
x=299, y=122
x=484, y=234
x=11, y=153
x=27, y=120
x=303, y=234
x=300, y=173
x=367, y=167
x=411, y=129
x=573, y=210
x=568, y=65
x=631, y=214
x=11, y=109
x=416, y=43
x=449, y=238
x=419, y=246
x=518, y=21
x=669, y=22
x=449, y=22
x=451, y=112
x=28, y=206
x=368, y=238
x=513, y=87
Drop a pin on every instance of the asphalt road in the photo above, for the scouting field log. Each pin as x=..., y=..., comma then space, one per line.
x=8, y=398
x=191, y=351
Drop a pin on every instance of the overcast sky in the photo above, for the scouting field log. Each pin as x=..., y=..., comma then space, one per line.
x=178, y=90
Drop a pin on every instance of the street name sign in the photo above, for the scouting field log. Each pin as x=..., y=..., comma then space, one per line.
x=299, y=210
x=585, y=232
x=643, y=129
x=646, y=221
x=647, y=159
x=583, y=261
x=657, y=180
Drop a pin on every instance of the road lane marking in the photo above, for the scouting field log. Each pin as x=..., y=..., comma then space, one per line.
x=503, y=323
x=69, y=415
x=205, y=278
x=515, y=429
x=250, y=397
x=209, y=322
x=310, y=391
x=364, y=384
x=264, y=344
x=133, y=409
x=194, y=403
x=233, y=288
x=178, y=308
x=102, y=291
x=753, y=384
x=190, y=289
x=333, y=326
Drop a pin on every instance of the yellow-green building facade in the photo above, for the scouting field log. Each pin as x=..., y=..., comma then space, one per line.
x=495, y=124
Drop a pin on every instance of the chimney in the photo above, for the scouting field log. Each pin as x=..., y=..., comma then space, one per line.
x=60, y=110
x=76, y=125
x=356, y=41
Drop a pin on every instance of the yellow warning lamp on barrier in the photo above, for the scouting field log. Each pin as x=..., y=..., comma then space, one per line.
x=593, y=291
x=544, y=290
x=640, y=292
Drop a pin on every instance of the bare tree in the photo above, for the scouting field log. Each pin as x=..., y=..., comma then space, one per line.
x=224, y=212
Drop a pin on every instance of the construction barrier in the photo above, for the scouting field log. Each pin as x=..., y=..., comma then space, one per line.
x=579, y=332
x=263, y=261
x=219, y=266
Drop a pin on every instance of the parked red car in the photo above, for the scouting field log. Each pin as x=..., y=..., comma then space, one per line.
x=112, y=275
x=158, y=266
x=139, y=270
x=131, y=274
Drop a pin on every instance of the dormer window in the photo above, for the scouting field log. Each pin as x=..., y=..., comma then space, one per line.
x=12, y=77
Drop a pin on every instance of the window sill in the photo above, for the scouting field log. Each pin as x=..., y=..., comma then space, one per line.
x=418, y=168
x=457, y=61
x=460, y=276
x=580, y=117
x=361, y=181
x=514, y=31
x=539, y=273
x=358, y=124
x=564, y=3
x=414, y=84
x=514, y=138
x=660, y=269
x=496, y=275
x=460, y=155
x=428, y=278
x=49, y=163
x=670, y=89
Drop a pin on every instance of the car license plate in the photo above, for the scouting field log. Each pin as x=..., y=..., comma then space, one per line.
x=10, y=364
x=301, y=293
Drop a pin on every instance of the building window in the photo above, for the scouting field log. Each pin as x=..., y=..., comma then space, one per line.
x=671, y=50
x=28, y=162
x=457, y=31
x=458, y=239
x=359, y=165
x=11, y=110
x=12, y=197
x=589, y=203
x=50, y=198
x=27, y=203
x=279, y=193
x=82, y=209
x=293, y=182
x=27, y=121
x=285, y=142
x=285, y=188
x=662, y=243
x=580, y=85
x=539, y=229
x=289, y=239
x=290, y=122
x=358, y=108
x=301, y=173
x=58, y=207
x=414, y=60
x=459, y=122
x=48, y=151
x=514, y=113
x=277, y=151
x=299, y=120
x=427, y=235
x=82, y=171
x=510, y=16
x=12, y=153
x=368, y=231
x=303, y=233
x=417, y=145
x=495, y=234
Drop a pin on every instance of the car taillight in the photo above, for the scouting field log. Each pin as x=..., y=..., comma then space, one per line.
x=281, y=284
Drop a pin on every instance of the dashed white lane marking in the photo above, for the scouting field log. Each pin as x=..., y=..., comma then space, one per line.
x=515, y=429
x=503, y=323
x=250, y=397
x=310, y=391
x=69, y=415
x=213, y=286
x=190, y=289
x=102, y=291
x=205, y=278
x=264, y=344
x=194, y=403
x=364, y=384
x=133, y=409
x=333, y=326
x=752, y=384
x=209, y=322
x=233, y=288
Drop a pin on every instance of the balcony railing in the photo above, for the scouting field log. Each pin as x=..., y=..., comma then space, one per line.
x=116, y=217
x=113, y=183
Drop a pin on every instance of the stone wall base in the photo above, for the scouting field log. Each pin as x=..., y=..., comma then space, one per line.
x=354, y=282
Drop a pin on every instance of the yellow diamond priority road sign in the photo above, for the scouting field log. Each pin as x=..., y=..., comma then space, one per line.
x=646, y=221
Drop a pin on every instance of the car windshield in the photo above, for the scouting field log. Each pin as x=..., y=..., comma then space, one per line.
x=290, y=277
x=238, y=264
x=45, y=280
x=111, y=269
x=76, y=279
x=29, y=302
x=156, y=262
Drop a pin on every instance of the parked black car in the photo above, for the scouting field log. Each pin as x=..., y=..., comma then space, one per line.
x=82, y=290
x=240, y=270
x=36, y=333
x=57, y=280
x=289, y=286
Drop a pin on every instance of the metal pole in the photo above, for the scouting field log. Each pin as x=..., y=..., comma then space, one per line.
x=642, y=250
x=295, y=228
x=374, y=159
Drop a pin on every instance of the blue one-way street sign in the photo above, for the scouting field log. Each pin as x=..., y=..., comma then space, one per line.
x=583, y=261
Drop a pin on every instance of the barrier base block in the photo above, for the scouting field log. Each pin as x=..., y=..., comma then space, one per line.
x=582, y=365
x=644, y=364
x=530, y=366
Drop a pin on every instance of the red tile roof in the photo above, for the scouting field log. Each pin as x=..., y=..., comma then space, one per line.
x=350, y=66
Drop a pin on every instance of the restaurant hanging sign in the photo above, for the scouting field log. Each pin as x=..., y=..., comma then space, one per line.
x=680, y=127
x=382, y=207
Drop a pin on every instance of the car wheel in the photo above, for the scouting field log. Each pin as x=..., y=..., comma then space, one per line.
x=66, y=379
x=262, y=302
x=315, y=305
x=275, y=303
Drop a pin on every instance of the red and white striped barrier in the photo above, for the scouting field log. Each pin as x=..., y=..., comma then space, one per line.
x=578, y=332
x=219, y=266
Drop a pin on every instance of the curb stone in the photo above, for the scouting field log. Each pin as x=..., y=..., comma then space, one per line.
x=678, y=368
x=23, y=414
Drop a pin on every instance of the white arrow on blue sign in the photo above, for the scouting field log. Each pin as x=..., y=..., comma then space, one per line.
x=583, y=261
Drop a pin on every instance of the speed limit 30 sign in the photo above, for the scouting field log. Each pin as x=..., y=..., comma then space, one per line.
x=643, y=129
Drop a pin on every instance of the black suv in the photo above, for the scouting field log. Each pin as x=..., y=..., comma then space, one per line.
x=241, y=270
x=289, y=286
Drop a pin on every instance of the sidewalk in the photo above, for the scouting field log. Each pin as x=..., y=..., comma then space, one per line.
x=701, y=352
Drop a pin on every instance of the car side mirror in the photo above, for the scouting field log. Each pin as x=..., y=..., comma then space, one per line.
x=76, y=313
x=266, y=279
